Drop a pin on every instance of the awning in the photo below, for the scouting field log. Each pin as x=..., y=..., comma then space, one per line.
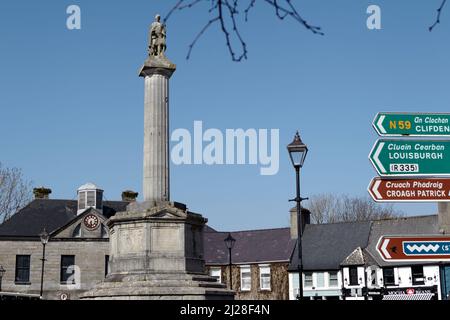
x=419, y=296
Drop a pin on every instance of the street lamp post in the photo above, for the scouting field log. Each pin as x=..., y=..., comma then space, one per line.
x=297, y=152
x=2, y=273
x=229, y=242
x=44, y=240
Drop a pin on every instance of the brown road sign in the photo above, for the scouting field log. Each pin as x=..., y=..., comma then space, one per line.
x=418, y=248
x=410, y=190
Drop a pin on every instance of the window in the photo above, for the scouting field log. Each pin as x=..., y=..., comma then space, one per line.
x=23, y=269
x=106, y=265
x=216, y=273
x=333, y=279
x=417, y=275
x=98, y=200
x=77, y=232
x=264, y=277
x=67, y=269
x=320, y=277
x=82, y=200
x=388, y=276
x=373, y=276
x=308, y=279
x=246, y=279
x=353, y=272
x=90, y=199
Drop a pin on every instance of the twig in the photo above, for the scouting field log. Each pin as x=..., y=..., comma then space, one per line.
x=191, y=46
x=221, y=7
x=438, y=17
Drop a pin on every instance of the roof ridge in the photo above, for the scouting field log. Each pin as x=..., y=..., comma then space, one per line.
x=341, y=222
x=407, y=217
x=254, y=230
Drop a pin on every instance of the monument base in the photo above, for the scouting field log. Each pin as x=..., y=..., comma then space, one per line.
x=175, y=286
x=157, y=254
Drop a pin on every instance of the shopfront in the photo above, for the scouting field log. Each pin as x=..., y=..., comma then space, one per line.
x=413, y=293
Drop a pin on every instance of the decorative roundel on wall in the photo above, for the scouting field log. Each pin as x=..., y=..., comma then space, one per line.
x=91, y=222
x=64, y=296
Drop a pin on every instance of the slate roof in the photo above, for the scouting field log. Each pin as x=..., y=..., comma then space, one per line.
x=325, y=246
x=255, y=246
x=50, y=214
x=422, y=225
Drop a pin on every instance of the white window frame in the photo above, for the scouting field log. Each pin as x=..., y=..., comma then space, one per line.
x=246, y=269
x=265, y=270
x=216, y=273
x=324, y=283
x=337, y=279
x=312, y=280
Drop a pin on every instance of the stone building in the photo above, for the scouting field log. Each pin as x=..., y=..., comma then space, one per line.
x=260, y=261
x=77, y=255
x=78, y=251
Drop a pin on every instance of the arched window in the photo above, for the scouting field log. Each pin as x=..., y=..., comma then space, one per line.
x=77, y=232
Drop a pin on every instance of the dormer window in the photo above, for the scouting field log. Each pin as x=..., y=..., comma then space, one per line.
x=90, y=196
x=81, y=200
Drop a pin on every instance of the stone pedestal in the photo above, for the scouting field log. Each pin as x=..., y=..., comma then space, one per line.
x=157, y=253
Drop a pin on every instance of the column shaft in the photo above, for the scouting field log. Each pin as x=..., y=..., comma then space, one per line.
x=156, y=138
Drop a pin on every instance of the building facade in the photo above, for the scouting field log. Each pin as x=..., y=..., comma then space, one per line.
x=77, y=254
x=348, y=251
x=259, y=264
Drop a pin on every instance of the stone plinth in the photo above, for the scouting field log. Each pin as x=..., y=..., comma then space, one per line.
x=175, y=286
x=157, y=253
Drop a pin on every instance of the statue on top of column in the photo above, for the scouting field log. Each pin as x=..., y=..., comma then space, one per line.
x=157, y=38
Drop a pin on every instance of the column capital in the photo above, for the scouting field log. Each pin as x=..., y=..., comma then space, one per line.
x=157, y=65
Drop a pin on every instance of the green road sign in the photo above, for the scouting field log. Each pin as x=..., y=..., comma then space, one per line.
x=412, y=124
x=411, y=157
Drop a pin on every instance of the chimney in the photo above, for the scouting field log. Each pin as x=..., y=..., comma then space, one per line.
x=129, y=196
x=41, y=193
x=444, y=217
x=306, y=219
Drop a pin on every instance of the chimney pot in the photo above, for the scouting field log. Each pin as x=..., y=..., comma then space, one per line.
x=129, y=196
x=41, y=193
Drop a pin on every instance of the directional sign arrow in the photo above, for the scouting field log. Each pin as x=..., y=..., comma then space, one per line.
x=419, y=248
x=410, y=190
x=411, y=157
x=412, y=124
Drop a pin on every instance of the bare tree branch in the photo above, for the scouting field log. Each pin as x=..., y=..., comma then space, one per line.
x=15, y=192
x=330, y=208
x=438, y=17
x=226, y=15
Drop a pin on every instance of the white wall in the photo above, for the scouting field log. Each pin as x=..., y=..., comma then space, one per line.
x=293, y=284
x=361, y=278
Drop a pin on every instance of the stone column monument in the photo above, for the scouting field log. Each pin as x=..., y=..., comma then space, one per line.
x=156, y=72
x=157, y=245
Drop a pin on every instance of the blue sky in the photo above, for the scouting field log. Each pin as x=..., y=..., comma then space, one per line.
x=72, y=103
